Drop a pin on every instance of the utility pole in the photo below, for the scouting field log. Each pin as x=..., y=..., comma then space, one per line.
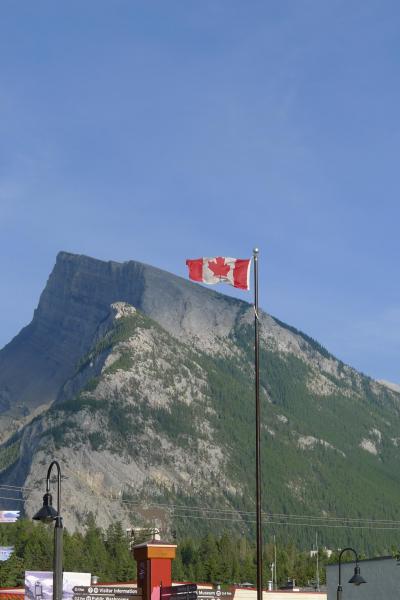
x=316, y=545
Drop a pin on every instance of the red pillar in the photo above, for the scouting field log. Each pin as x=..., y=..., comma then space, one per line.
x=154, y=567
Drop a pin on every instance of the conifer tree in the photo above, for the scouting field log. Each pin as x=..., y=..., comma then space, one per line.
x=95, y=556
x=178, y=571
x=74, y=552
x=38, y=548
x=117, y=546
x=12, y=571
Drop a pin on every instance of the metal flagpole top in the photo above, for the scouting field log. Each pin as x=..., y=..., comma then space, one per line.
x=255, y=251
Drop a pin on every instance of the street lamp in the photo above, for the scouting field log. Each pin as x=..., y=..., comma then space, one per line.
x=355, y=580
x=47, y=514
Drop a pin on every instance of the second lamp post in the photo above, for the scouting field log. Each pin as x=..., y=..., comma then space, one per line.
x=355, y=580
x=48, y=514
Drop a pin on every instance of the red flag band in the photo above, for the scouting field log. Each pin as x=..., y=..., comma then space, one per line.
x=235, y=271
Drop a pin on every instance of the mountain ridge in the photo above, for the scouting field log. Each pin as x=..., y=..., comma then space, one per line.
x=158, y=409
x=77, y=282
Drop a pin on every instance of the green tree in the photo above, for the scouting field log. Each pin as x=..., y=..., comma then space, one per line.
x=208, y=559
x=178, y=571
x=38, y=548
x=228, y=567
x=12, y=571
x=95, y=556
x=74, y=552
x=188, y=553
x=117, y=545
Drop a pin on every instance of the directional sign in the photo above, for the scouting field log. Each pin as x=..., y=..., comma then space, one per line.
x=97, y=590
x=211, y=594
x=96, y=596
x=188, y=596
x=178, y=589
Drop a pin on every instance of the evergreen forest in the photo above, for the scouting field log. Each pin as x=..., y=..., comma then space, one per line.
x=224, y=558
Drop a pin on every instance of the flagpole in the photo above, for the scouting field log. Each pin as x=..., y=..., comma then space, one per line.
x=258, y=428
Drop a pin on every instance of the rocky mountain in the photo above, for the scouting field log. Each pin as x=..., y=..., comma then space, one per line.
x=76, y=299
x=141, y=384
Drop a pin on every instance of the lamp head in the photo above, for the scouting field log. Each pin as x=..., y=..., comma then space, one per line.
x=47, y=513
x=357, y=579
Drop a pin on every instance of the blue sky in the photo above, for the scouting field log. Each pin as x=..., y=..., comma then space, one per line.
x=163, y=130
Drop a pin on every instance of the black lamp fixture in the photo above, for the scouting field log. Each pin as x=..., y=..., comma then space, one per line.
x=357, y=579
x=48, y=514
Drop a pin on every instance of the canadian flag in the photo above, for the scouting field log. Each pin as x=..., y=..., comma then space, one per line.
x=235, y=271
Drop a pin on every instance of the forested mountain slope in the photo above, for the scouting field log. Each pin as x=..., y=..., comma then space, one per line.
x=154, y=410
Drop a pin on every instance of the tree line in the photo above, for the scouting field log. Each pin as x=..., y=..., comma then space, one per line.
x=227, y=559
x=102, y=553
x=106, y=553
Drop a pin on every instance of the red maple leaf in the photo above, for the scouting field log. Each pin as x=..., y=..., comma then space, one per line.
x=218, y=267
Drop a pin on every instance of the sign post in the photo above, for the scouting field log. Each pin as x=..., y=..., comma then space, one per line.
x=154, y=567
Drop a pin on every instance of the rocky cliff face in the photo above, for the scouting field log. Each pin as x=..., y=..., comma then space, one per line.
x=148, y=391
x=124, y=433
x=76, y=299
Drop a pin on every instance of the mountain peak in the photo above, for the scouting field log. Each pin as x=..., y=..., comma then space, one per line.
x=77, y=297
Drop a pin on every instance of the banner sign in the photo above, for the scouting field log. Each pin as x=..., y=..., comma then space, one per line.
x=5, y=552
x=39, y=584
x=9, y=516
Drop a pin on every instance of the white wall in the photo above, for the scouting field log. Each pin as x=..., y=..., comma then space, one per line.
x=381, y=574
x=242, y=594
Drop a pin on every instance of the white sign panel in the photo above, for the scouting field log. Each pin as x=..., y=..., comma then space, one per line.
x=5, y=552
x=9, y=516
x=39, y=584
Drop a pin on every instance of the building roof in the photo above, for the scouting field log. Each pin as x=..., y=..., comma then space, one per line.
x=12, y=593
x=155, y=543
x=362, y=560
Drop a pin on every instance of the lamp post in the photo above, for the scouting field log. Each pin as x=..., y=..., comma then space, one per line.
x=47, y=514
x=355, y=580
